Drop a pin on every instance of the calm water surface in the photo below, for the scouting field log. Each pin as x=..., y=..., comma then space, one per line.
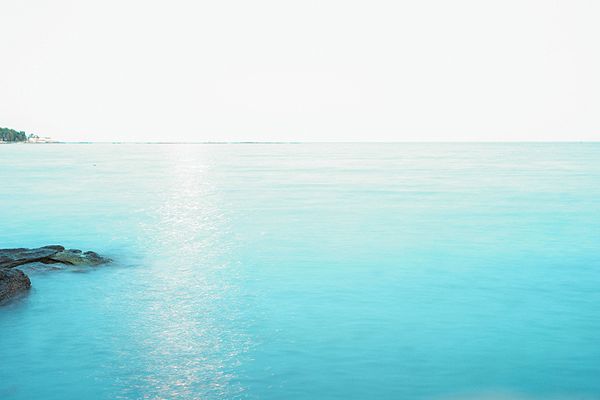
x=310, y=271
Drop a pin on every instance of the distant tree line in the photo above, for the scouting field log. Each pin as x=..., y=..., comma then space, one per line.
x=10, y=135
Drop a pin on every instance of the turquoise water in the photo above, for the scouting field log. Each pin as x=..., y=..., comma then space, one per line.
x=308, y=271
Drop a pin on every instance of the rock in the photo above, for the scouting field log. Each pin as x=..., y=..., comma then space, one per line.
x=76, y=257
x=12, y=282
x=10, y=258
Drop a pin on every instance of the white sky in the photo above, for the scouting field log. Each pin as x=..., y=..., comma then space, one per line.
x=301, y=70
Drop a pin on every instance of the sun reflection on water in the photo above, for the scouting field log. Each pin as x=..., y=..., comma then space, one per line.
x=188, y=343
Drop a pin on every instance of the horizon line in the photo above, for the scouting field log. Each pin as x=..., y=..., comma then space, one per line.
x=312, y=142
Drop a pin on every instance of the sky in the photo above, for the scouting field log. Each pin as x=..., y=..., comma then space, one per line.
x=278, y=70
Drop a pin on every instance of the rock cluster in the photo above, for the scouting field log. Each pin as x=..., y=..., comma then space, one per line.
x=14, y=281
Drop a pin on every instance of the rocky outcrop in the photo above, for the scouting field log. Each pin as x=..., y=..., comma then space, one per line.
x=76, y=257
x=13, y=281
x=10, y=258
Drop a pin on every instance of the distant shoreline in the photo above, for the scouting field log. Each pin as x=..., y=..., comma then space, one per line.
x=251, y=142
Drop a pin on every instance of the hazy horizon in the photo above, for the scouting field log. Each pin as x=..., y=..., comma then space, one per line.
x=516, y=141
x=327, y=71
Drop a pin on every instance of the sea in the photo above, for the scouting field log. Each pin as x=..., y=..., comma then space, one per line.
x=437, y=271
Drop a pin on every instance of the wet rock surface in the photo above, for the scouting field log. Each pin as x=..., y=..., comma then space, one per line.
x=14, y=281
x=10, y=258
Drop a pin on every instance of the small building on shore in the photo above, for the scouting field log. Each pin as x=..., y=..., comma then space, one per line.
x=43, y=139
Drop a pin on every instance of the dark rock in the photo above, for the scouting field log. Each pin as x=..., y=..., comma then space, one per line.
x=76, y=257
x=12, y=282
x=95, y=258
x=10, y=258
